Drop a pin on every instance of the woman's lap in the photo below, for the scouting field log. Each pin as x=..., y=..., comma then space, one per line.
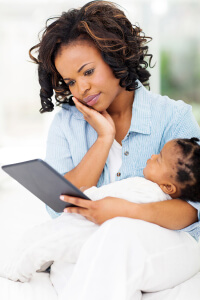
x=125, y=256
x=189, y=289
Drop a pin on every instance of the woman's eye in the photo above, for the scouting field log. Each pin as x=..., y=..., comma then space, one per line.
x=71, y=83
x=89, y=72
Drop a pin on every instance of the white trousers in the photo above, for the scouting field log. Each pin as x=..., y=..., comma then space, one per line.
x=126, y=257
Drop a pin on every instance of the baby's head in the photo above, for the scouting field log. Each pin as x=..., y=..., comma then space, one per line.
x=177, y=169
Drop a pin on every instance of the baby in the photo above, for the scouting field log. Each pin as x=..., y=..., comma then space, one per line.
x=173, y=173
x=176, y=170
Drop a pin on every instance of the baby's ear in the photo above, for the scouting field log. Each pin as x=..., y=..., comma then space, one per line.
x=168, y=188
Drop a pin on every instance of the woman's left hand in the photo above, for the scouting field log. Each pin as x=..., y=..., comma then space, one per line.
x=98, y=211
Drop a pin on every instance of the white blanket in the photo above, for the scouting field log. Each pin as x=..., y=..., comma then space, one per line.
x=63, y=237
x=60, y=240
x=38, y=288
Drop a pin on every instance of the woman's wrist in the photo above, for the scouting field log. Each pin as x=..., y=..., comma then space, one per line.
x=88, y=171
x=106, y=140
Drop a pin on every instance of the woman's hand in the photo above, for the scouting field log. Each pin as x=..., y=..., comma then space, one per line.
x=90, y=168
x=173, y=214
x=98, y=211
x=101, y=122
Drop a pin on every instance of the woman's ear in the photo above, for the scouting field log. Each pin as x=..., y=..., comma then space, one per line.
x=168, y=188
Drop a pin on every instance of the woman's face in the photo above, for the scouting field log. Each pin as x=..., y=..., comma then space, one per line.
x=88, y=77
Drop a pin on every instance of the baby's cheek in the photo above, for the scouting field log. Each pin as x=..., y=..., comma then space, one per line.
x=147, y=172
x=144, y=172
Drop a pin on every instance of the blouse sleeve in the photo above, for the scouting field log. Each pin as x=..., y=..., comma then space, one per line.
x=187, y=126
x=182, y=123
x=58, y=152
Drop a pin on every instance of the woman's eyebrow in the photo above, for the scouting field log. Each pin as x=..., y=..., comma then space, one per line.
x=80, y=69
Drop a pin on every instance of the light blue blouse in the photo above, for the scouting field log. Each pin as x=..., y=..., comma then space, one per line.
x=155, y=120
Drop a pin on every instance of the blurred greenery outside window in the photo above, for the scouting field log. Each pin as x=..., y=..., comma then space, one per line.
x=184, y=82
x=180, y=54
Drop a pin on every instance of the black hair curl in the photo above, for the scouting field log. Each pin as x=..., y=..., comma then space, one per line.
x=122, y=45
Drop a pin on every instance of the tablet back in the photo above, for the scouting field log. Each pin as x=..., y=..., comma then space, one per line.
x=44, y=182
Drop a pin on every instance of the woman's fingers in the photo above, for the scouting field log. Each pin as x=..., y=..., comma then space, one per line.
x=85, y=212
x=83, y=207
x=77, y=210
x=101, y=122
x=90, y=115
x=81, y=107
x=76, y=201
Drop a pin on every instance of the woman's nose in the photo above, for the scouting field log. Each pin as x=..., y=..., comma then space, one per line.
x=83, y=87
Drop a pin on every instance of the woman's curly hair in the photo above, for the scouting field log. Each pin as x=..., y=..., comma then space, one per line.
x=122, y=45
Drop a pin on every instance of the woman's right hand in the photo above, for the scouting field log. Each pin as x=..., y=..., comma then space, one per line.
x=102, y=122
x=89, y=169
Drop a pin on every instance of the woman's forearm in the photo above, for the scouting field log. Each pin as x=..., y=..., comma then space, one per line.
x=172, y=214
x=88, y=171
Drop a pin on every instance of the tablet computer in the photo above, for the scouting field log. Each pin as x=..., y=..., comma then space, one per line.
x=44, y=182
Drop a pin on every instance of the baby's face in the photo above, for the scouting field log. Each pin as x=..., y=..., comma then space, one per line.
x=161, y=168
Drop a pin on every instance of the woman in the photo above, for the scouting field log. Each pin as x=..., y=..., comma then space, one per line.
x=96, y=55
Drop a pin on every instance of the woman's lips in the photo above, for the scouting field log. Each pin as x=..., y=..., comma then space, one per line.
x=91, y=100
